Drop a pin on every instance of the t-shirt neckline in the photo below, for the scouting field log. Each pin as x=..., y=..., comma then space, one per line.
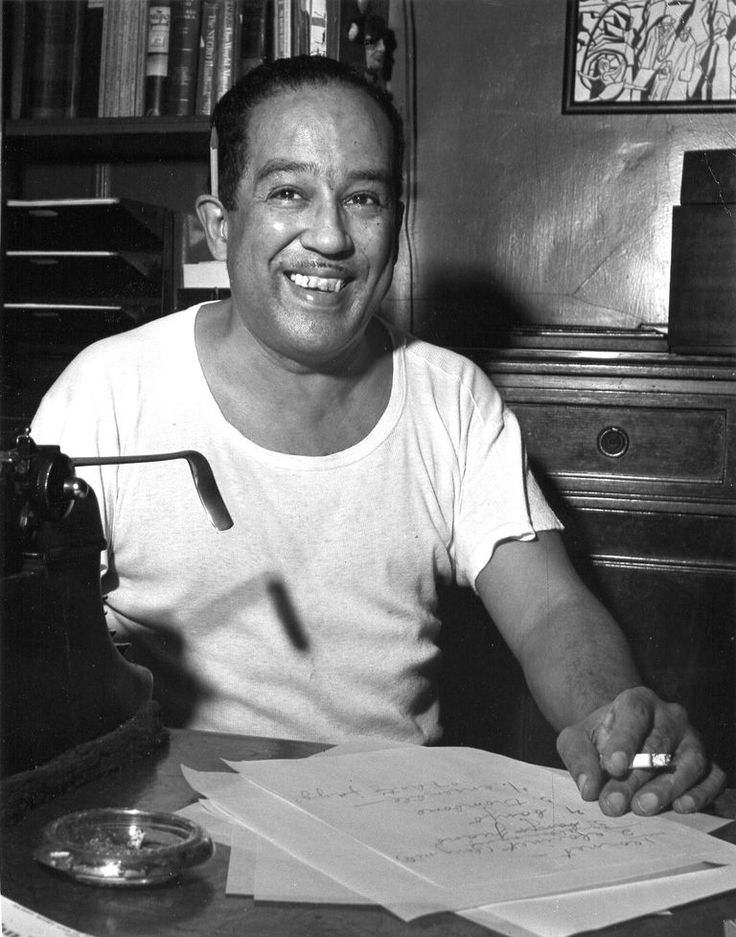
x=380, y=431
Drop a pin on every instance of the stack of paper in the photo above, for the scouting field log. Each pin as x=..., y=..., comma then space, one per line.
x=427, y=830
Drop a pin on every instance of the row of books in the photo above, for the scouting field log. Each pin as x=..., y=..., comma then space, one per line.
x=133, y=58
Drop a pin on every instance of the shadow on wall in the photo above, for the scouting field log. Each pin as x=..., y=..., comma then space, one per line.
x=176, y=685
x=469, y=307
x=484, y=700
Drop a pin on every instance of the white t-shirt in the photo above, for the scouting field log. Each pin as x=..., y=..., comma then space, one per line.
x=314, y=616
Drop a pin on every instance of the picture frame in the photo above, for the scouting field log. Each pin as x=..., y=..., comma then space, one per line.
x=650, y=56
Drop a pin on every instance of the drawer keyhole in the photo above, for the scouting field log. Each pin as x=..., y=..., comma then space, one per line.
x=613, y=442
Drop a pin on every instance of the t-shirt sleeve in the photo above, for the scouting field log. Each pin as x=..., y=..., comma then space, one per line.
x=76, y=414
x=500, y=498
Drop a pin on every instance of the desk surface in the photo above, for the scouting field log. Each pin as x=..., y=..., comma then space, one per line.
x=197, y=905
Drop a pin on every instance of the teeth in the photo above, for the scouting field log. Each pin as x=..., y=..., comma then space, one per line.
x=323, y=284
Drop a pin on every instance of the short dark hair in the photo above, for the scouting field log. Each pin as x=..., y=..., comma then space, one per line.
x=232, y=113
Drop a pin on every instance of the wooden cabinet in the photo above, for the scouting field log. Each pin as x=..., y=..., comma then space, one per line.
x=637, y=453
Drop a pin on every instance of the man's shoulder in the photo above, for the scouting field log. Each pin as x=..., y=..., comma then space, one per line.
x=443, y=365
x=446, y=381
x=153, y=340
x=117, y=373
x=157, y=331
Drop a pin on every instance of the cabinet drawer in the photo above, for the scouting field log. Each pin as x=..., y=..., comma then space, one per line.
x=651, y=538
x=632, y=442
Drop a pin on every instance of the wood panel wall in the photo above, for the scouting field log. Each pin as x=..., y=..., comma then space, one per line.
x=517, y=211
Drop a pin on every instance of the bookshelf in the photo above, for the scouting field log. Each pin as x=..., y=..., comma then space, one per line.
x=74, y=271
x=96, y=150
x=107, y=139
x=160, y=160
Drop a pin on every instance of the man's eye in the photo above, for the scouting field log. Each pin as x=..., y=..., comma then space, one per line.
x=286, y=195
x=367, y=199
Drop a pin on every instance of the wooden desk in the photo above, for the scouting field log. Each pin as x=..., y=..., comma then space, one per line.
x=197, y=905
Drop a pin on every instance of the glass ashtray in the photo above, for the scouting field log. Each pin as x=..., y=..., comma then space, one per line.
x=123, y=847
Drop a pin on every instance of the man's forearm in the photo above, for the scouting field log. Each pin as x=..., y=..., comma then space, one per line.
x=574, y=655
x=575, y=659
x=579, y=667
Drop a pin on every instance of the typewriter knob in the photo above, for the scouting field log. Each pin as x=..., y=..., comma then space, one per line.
x=76, y=489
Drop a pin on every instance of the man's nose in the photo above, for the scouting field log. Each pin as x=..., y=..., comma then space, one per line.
x=328, y=231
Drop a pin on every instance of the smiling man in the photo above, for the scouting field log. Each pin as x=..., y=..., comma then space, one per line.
x=362, y=468
x=309, y=234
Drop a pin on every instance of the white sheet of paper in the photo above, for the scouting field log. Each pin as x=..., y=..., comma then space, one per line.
x=277, y=874
x=457, y=816
x=217, y=824
x=279, y=877
x=18, y=920
x=241, y=874
x=270, y=874
x=566, y=915
x=472, y=827
x=259, y=868
x=331, y=851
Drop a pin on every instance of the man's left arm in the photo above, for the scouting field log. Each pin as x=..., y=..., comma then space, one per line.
x=580, y=671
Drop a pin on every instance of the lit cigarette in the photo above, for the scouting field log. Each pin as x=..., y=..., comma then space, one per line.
x=651, y=760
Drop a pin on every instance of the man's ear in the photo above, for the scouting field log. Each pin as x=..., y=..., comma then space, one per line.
x=213, y=218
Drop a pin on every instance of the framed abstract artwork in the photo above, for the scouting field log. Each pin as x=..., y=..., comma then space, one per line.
x=650, y=55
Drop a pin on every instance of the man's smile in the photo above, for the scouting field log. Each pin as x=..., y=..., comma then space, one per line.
x=321, y=284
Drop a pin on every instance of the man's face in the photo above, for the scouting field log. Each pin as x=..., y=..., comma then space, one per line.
x=311, y=242
x=375, y=53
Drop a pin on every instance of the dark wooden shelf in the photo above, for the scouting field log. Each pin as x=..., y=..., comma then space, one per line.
x=614, y=363
x=113, y=139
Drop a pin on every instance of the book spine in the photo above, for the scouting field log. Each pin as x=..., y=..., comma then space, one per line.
x=300, y=27
x=157, y=57
x=141, y=17
x=74, y=50
x=117, y=77
x=227, y=30
x=207, y=51
x=183, y=56
x=332, y=34
x=129, y=77
x=16, y=50
x=91, y=59
x=55, y=32
x=282, y=29
x=128, y=82
x=109, y=64
x=253, y=43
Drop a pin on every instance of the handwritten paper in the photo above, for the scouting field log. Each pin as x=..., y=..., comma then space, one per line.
x=325, y=848
x=421, y=830
x=260, y=869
